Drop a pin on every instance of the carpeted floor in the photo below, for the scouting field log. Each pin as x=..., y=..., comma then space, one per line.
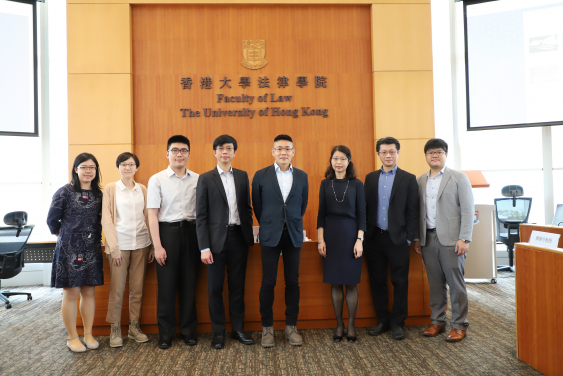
x=32, y=342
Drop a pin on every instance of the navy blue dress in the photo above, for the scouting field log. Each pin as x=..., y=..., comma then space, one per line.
x=342, y=212
x=78, y=258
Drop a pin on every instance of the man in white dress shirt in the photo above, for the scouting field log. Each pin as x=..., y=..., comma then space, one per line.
x=446, y=227
x=224, y=232
x=171, y=202
x=280, y=193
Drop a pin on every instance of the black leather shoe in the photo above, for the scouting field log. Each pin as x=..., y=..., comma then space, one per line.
x=190, y=340
x=218, y=341
x=351, y=339
x=164, y=343
x=379, y=329
x=243, y=338
x=398, y=332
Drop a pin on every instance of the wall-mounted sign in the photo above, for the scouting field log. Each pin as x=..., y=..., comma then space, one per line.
x=263, y=82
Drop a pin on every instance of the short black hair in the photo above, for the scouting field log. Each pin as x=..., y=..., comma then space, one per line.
x=124, y=157
x=387, y=141
x=351, y=172
x=283, y=137
x=436, y=143
x=178, y=139
x=75, y=181
x=225, y=139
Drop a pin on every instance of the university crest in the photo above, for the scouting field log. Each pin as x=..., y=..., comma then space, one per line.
x=253, y=51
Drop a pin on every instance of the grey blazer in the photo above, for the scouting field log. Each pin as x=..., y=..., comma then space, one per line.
x=455, y=209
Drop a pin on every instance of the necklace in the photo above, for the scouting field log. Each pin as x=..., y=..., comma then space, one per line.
x=333, y=191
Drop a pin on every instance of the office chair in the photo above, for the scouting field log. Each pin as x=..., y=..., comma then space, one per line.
x=12, y=243
x=511, y=211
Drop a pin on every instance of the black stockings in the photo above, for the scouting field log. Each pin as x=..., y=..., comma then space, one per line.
x=337, y=293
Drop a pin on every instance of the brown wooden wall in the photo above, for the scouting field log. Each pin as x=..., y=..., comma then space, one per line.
x=175, y=41
x=377, y=58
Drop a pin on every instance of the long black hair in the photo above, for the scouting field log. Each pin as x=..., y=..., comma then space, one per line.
x=351, y=172
x=75, y=181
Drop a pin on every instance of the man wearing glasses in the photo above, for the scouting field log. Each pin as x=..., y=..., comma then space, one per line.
x=224, y=232
x=446, y=227
x=279, y=196
x=392, y=222
x=171, y=203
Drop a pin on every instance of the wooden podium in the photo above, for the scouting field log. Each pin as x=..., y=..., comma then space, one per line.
x=315, y=308
x=539, y=302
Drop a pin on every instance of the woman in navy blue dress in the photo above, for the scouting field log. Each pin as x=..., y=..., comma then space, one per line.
x=341, y=223
x=75, y=217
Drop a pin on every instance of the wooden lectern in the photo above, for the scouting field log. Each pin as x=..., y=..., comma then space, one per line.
x=539, y=302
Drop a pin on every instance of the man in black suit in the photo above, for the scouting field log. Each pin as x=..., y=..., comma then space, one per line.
x=224, y=229
x=279, y=194
x=392, y=220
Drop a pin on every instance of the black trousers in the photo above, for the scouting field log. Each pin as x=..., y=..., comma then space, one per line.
x=380, y=254
x=233, y=258
x=270, y=258
x=179, y=273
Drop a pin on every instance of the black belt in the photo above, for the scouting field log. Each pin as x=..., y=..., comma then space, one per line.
x=383, y=231
x=431, y=229
x=233, y=226
x=178, y=224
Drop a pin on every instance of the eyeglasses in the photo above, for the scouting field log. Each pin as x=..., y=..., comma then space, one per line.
x=438, y=153
x=228, y=148
x=390, y=152
x=176, y=151
x=336, y=159
x=130, y=165
x=279, y=150
x=87, y=168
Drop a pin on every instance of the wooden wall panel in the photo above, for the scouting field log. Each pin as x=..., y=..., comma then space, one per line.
x=171, y=42
x=236, y=2
x=102, y=102
x=98, y=38
x=106, y=156
x=404, y=104
x=411, y=156
x=403, y=36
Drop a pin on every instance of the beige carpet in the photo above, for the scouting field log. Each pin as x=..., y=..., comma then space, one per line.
x=32, y=342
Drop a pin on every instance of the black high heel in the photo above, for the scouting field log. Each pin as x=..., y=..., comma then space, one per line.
x=336, y=338
x=351, y=339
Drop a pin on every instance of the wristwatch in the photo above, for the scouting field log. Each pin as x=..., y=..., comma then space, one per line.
x=361, y=239
x=466, y=241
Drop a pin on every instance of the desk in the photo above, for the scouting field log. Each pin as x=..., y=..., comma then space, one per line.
x=539, y=302
x=316, y=309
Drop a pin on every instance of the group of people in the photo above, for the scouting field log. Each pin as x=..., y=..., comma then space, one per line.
x=184, y=218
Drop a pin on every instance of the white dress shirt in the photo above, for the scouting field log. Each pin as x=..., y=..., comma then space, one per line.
x=130, y=227
x=432, y=187
x=228, y=180
x=174, y=196
x=285, y=179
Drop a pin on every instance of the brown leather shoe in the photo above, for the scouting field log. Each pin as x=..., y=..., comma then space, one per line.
x=456, y=335
x=433, y=330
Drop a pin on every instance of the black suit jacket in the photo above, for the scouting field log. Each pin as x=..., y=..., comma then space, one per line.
x=212, y=209
x=272, y=212
x=403, y=205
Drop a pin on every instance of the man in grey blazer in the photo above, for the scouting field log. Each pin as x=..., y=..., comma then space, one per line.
x=446, y=226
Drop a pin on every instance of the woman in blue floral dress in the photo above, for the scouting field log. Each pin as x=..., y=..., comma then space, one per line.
x=75, y=217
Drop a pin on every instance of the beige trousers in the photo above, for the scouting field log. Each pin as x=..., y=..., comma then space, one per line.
x=136, y=262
